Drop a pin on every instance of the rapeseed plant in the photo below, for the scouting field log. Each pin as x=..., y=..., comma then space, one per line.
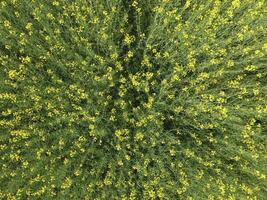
x=133, y=99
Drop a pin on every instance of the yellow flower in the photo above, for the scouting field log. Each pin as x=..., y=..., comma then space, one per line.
x=67, y=183
x=26, y=60
x=28, y=26
x=128, y=39
x=130, y=54
x=127, y=157
x=120, y=163
x=172, y=152
x=139, y=136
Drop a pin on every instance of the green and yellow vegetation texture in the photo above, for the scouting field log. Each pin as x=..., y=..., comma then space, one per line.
x=133, y=99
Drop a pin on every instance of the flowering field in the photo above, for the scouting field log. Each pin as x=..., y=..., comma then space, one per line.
x=136, y=99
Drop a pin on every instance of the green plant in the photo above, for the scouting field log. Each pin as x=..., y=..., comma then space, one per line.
x=133, y=99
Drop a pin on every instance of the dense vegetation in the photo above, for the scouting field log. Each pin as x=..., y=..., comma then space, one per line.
x=138, y=99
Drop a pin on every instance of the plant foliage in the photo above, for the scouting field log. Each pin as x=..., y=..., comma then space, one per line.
x=137, y=99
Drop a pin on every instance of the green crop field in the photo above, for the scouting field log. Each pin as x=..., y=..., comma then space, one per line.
x=133, y=99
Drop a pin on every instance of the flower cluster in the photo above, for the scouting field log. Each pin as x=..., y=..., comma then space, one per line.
x=133, y=99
